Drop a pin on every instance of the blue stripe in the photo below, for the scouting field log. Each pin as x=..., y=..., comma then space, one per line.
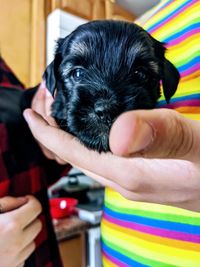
x=179, y=99
x=121, y=257
x=167, y=17
x=182, y=32
x=188, y=65
x=174, y=226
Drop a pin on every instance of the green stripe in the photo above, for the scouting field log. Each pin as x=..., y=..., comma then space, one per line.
x=184, y=24
x=155, y=215
x=136, y=257
x=189, y=93
x=191, y=56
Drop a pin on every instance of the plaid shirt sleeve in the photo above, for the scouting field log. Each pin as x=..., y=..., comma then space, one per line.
x=23, y=168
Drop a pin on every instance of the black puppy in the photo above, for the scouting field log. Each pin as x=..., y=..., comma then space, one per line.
x=102, y=69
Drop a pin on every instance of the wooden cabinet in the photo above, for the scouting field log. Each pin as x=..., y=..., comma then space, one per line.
x=91, y=9
x=73, y=251
x=22, y=38
x=23, y=30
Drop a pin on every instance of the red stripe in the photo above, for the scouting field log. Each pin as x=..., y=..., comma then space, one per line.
x=183, y=103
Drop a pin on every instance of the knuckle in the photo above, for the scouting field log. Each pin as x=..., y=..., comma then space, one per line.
x=60, y=161
x=32, y=247
x=37, y=207
x=39, y=226
x=12, y=226
x=130, y=182
x=183, y=144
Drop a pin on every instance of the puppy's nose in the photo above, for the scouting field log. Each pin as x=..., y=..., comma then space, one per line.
x=102, y=109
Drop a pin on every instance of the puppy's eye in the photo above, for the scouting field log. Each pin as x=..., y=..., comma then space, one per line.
x=77, y=74
x=141, y=74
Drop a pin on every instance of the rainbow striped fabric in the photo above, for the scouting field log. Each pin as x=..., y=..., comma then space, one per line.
x=143, y=234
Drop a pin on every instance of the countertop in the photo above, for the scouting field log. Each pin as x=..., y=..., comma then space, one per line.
x=69, y=227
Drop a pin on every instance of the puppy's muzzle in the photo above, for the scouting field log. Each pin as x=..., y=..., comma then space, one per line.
x=102, y=110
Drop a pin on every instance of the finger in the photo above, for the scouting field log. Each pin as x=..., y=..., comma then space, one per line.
x=48, y=102
x=48, y=154
x=60, y=161
x=51, y=121
x=10, y=203
x=72, y=151
x=160, y=133
x=28, y=212
x=21, y=264
x=26, y=252
x=31, y=232
x=38, y=102
x=131, y=195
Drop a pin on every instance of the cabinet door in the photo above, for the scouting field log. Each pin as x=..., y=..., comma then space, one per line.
x=73, y=251
x=91, y=9
x=22, y=38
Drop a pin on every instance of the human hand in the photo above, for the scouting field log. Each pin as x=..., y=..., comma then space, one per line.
x=160, y=133
x=163, y=164
x=19, y=227
x=41, y=103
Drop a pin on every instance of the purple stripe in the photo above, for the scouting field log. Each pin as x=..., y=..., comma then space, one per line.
x=155, y=231
x=183, y=103
x=182, y=38
x=173, y=16
x=190, y=70
x=114, y=260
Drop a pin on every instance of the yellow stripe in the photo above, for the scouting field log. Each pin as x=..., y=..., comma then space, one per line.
x=191, y=76
x=188, y=87
x=163, y=13
x=176, y=24
x=117, y=200
x=192, y=116
x=186, y=51
x=186, y=44
x=151, y=250
x=153, y=238
x=107, y=263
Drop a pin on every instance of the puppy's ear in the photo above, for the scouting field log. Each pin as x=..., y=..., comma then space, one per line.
x=170, y=75
x=170, y=79
x=50, y=73
x=49, y=77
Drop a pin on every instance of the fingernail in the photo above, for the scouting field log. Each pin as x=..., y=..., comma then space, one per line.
x=23, y=199
x=48, y=94
x=143, y=138
x=43, y=84
x=27, y=116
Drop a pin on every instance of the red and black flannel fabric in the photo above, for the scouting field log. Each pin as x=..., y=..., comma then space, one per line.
x=23, y=168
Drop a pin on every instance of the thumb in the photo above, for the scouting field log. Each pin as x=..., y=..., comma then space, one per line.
x=10, y=203
x=159, y=133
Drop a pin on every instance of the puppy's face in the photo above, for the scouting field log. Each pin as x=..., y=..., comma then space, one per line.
x=101, y=70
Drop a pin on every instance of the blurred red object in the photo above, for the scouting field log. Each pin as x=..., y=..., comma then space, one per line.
x=62, y=207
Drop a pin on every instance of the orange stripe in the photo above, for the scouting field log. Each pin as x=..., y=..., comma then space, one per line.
x=152, y=238
x=187, y=109
x=190, y=76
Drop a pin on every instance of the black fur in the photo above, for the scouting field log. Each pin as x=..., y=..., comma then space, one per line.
x=101, y=70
